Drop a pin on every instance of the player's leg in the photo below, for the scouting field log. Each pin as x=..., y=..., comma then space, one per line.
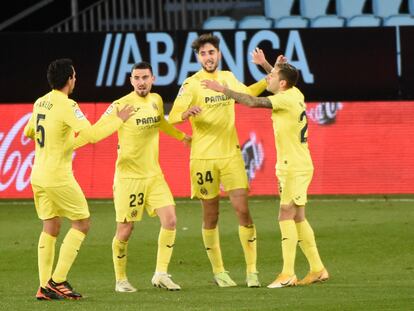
x=72, y=204
x=160, y=202
x=307, y=243
x=306, y=237
x=166, y=237
x=205, y=185
x=46, y=255
x=47, y=240
x=129, y=201
x=289, y=236
x=166, y=242
x=247, y=235
x=234, y=180
x=120, y=256
x=211, y=234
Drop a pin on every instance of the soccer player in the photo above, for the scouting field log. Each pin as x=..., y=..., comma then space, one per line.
x=139, y=182
x=216, y=156
x=294, y=168
x=52, y=125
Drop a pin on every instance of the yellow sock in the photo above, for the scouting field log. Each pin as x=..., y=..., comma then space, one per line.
x=289, y=243
x=45, y=257
x=211, y=240
x=166, y=240
x=119, y=257
x=247, y=235
x=307, y=244
x=67, y=255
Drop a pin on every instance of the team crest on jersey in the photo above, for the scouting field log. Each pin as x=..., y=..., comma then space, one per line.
x=181, y=90
x=154, y=105
x=109, y=109
x=203, y=191
x=79, y=114
x=134, y=213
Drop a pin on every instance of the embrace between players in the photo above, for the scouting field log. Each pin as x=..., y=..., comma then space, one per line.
x=139, y=183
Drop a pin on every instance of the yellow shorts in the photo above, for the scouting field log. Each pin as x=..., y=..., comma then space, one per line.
x=293, y=186
x=132, y=195
x=208, y=174
x=63, y=201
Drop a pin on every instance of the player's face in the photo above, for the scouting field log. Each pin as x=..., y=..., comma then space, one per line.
x=209, y=57
x=142, y=80
x=273, y=81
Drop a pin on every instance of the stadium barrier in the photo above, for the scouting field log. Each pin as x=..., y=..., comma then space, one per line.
x=357, y=148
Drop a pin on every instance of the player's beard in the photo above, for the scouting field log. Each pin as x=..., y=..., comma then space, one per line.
x=211, y=68
x=142, y=93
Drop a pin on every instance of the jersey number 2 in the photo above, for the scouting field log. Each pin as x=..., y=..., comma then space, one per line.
x=303, y=138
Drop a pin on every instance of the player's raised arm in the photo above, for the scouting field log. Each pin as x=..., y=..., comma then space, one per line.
x=259, y=58
x=242, y=98
x=105, y=127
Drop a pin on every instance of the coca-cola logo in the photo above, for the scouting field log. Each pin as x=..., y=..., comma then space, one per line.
x=325, y=113
x=16, y=156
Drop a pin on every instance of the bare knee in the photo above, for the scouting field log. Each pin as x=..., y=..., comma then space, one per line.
x=82, y=225
x=287, y=212
x=210, y=218
x=52, y=226
x=210, y=213
x=167, y=217
x=170, y=222
x=238, y=200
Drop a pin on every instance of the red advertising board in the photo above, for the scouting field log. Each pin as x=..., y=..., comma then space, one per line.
x=357, y=148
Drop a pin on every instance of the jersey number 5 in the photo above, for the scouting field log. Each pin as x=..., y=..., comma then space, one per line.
x=39, y=128
x=303, y=138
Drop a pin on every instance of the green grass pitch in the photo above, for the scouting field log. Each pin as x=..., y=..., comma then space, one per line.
x=367, y=245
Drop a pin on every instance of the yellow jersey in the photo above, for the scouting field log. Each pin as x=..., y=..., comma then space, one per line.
x=53, y=124
x=214, y=134
x=138, y=137
x=291, y=131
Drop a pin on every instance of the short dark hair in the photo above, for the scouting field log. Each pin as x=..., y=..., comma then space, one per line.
x=205, y=38
x=289, y=73
x=142, y=65
x=58, y=72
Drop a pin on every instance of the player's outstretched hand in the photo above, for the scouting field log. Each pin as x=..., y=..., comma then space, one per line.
x=125, y=113
x=212, y=85
x=258, y=57
x=281, y=59
x=191, y=112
